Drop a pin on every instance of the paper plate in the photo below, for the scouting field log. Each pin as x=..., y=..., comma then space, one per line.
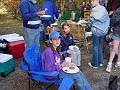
x=45, y=16
x=68, y=70
x=72, y=48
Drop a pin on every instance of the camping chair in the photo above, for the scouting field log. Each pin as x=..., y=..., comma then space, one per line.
x=32, y=64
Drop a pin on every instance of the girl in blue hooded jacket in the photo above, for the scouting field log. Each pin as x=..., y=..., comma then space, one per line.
x=50, y=9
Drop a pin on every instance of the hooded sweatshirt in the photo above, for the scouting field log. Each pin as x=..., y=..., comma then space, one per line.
x=50, y=9
x=99, y=21
x=29, y=13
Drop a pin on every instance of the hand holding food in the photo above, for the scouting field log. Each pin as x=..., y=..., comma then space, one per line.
x=65, y=64
x=40, y=13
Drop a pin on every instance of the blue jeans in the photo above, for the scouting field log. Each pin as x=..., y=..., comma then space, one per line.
x=31, y=36
x=97, y=50
x=79, y=79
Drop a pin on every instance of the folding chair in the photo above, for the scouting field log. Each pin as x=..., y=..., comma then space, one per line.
x=32, y=64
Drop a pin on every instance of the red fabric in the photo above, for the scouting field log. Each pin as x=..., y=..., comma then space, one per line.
x=113, y=6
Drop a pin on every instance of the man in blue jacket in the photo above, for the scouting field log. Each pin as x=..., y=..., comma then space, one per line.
x=29, y=12
x=50, y=9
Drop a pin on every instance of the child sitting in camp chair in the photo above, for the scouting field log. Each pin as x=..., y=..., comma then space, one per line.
x=51, y=61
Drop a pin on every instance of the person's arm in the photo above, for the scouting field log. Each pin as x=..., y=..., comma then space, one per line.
x=55, y=11
x=24, y=8
x=91, y=21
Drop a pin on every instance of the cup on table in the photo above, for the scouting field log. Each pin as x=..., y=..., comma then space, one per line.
x=68, y=59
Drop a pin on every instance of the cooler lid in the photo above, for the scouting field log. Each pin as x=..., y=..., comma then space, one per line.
x=16, y=43
x=5, y=57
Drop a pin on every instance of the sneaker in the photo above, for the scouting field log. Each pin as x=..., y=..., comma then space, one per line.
x=109, y=67
x=117, y=65
x=92, y=66
x=101, y=65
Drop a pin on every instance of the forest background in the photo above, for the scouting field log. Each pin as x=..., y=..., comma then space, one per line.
x=12, y=6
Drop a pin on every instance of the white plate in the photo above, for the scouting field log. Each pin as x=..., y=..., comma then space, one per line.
x=68, y=70
x=45, y=16
x=34, y=22
x=54, y=24
x=72, y=48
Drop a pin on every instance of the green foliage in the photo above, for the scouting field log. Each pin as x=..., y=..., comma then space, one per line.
x=40, y=2
x=12, y=6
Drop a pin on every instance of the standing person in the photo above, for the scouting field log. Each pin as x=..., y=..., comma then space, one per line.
x=29, y=12
x=50, y=9
x=115, y=19
x=112, y=5
x=53, y=63
x=99, y=23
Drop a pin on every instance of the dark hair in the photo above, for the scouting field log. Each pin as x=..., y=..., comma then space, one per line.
x=65, y=24
x=117, y=3
x=58, y=49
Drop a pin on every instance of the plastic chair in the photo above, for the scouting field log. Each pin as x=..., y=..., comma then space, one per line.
x=32, y=64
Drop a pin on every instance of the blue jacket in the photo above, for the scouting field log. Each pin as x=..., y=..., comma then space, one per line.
x=28, y=12
x=50, y=9
x=66, y=42
x=99, y=25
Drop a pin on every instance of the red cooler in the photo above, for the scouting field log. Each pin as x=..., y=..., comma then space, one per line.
x=17, y=48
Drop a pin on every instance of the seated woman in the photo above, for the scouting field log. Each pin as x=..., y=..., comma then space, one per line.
x=66, y=41
x=51, y=61
x=66, y=37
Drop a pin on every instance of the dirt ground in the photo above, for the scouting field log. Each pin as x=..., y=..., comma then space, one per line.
x=18, y=80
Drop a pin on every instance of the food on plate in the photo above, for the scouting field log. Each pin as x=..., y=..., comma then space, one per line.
x=71, y=67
